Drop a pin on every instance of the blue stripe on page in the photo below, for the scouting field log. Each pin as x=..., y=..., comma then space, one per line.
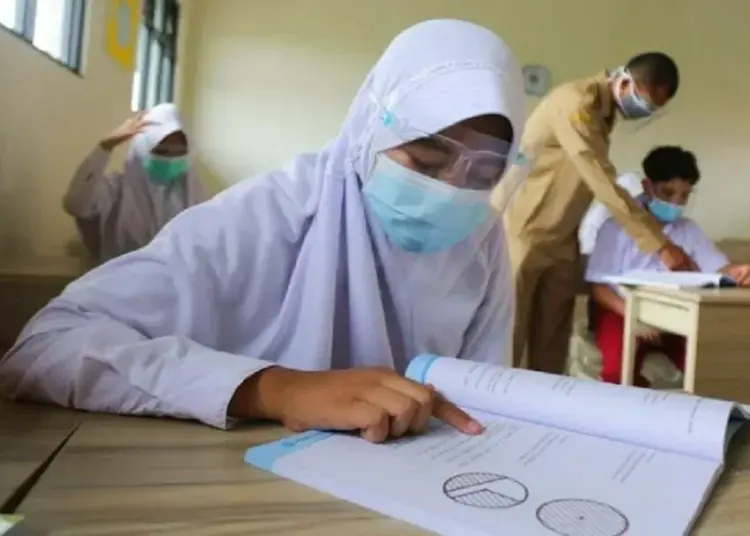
x=265, y=456
x=420, y=366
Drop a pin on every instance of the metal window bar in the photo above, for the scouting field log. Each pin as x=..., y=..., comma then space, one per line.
x=169, y=49
x=153, y=73
x=75, y=13
x=148, y=11
x=20, y=14
x=28, y=15
x=157, y=18
x=175, y=32
x=157, y=51
x=161, y=25
x=144, y=61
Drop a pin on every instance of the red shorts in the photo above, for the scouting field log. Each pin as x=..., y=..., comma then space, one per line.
x=609, y=330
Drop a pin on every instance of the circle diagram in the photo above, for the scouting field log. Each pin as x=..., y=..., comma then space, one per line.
x=582, y=517
x=485, y=490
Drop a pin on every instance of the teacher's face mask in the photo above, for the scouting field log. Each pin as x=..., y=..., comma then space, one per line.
x=630, y=102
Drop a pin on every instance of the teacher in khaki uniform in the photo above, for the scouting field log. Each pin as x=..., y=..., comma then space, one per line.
x=568, y=136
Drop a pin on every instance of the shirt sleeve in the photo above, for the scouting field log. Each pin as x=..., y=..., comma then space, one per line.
x=92, y=192
x=592, y=222
x=490, y=336
x=703, y=250
x=607, y=257
x=135, y=335
x=598, y=213
x=578, y=131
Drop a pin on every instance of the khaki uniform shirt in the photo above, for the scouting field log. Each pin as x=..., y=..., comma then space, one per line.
x=567, y=136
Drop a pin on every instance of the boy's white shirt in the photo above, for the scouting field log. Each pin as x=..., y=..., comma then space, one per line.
x=615, y=253
x=598, y=214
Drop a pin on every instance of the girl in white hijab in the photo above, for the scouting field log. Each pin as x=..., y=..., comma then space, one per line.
x=301, y=295
x=121, y=212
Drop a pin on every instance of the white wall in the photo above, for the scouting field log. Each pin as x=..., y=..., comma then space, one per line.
x=265, y=80
x=50, y=118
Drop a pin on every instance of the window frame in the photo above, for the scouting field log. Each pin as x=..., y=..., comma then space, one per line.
x=73, y=25
x=157, y=44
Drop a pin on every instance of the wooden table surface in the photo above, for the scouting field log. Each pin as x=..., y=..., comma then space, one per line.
x=122, y=475
x=29, y=436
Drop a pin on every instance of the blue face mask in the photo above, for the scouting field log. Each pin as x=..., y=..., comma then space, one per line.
x=664, y=211
x=166, y=170
x=631, y=105
x=420, y=214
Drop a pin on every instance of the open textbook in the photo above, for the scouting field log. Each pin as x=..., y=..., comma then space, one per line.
x=654, y=278
x=559, y=456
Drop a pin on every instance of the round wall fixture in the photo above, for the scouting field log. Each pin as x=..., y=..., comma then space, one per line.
x=536, y=80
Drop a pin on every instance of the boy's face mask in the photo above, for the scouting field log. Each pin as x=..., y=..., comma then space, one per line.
x=667, y=200
x=664, y=211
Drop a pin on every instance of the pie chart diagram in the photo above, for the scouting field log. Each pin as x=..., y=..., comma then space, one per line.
x=485, y=490
x=582, y=517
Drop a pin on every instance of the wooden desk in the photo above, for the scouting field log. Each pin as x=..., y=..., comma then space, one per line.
x=716, y=324
x=29, y=436
x=120, y=475
x=124, y=476
x=26, y=285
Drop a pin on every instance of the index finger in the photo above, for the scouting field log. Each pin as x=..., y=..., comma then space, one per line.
x=452, y=415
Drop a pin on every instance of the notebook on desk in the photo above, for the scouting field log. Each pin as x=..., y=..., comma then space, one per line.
x=674, y=280
x=559, y=455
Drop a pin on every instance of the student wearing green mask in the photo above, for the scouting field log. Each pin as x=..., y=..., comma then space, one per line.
x=120, y=212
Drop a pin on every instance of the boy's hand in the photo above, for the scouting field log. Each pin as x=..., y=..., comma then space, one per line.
x=675, y=259
x=649, y=335
x=376, y=401
x=740, y=273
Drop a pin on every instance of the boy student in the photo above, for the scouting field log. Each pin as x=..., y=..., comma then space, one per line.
x=670, y=173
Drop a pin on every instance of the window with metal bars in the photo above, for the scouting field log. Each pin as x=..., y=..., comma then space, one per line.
x=153, y=82
x=54, y=27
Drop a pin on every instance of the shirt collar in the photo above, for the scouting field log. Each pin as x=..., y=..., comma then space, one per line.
x=605, y=98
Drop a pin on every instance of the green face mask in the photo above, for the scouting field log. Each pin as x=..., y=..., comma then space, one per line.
x=166, y=170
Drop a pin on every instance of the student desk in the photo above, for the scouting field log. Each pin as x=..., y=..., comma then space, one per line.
x=716, y=324
x=124, y=476
x=29, y=437
x=26, y=285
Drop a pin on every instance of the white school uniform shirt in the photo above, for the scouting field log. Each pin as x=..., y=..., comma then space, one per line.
x=616, y=253
x=598, y=213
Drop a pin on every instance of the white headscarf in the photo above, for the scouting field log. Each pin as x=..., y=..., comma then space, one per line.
x=289, y=268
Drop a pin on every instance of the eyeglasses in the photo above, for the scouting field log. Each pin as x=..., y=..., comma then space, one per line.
x=482, y=163
x=477, y=163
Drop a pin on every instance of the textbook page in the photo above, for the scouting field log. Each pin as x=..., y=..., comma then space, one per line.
x=516, y=478
x=675, y=280
x=658, y=419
